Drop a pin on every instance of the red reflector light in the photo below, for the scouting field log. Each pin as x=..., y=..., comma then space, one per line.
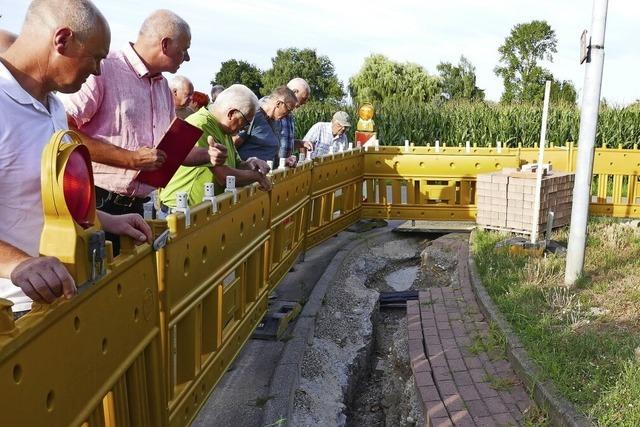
x=78, y=187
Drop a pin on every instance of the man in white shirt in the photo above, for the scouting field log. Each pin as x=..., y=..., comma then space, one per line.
x=61, y=43
x=329, y=135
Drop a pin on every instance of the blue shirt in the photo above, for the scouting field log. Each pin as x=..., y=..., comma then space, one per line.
x=262, y=139
x=287, y=136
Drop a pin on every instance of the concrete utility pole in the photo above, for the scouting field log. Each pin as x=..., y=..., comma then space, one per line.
x=586, y=143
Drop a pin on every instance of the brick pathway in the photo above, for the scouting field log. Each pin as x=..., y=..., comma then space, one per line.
x=459, y=385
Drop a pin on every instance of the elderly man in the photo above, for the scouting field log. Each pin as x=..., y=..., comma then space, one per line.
x=325, y=135
x=231, y=111
x=122, y=114
x=262, y=139
x=287, y=124
x=215, y=91
x=61, y=43
x=182, y=90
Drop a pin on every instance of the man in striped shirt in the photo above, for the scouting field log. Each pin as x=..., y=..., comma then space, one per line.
x=327, y=135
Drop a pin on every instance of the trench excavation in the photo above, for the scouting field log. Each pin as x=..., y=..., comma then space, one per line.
x=357, y=370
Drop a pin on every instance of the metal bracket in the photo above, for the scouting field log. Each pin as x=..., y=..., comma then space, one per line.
x=161, y=241
x=96, y=255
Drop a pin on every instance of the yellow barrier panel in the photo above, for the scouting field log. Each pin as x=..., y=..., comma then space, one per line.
x=336, y=194
x=289, y=217
x=91, y=360
x=423, y=183
x=212, y=278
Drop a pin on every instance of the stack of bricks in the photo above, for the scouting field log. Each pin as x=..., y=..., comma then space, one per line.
x=491, y=199
x=506, y=200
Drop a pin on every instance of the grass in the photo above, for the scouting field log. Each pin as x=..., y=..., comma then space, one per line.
x=494, y=343
x=498, y=383
x=583, y=338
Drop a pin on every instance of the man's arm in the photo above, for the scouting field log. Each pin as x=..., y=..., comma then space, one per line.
x=102, y=152
x=42, y=279
x=243, y=177
x=215, y=154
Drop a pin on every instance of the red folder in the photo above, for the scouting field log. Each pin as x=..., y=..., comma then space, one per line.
x=177, y=142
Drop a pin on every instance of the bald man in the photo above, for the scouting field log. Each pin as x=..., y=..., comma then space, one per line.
x=182, y=91
x=6, y=39
x=122, y=114
x=288, y=143
x=61, y=43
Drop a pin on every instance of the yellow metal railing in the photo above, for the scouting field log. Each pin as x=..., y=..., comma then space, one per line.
x=149, y=342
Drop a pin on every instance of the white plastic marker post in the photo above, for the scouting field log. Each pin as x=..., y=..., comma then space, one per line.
x=331, y=150
x=498, y=147
x=586, y=143
x=406, y=145
x=210, y=196
x=301, y=158
x=231, y=188
x=467, y=147
x=182, y=205
x=270, y=164
x=282, y=164
x=340, y=148
x=437, y=146
x=350, y=146
x=543, y=136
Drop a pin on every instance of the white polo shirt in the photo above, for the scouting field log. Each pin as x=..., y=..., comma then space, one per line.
x=25, y=128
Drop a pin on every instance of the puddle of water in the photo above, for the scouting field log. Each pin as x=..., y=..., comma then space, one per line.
x=402, y=279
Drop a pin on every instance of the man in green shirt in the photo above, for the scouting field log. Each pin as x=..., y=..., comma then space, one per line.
x=232, y=110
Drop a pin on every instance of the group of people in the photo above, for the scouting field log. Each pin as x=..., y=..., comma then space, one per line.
x=59, y=73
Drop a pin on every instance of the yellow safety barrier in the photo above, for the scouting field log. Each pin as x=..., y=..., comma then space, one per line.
x=126, y=352
x=212, y=279
x=89, y=361
x=425, y=183
x=289, y=217
x=336, y=194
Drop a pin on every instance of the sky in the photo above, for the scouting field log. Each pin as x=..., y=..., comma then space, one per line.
x=419, y=31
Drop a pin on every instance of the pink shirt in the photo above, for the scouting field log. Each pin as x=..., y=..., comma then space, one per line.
x=125, y=107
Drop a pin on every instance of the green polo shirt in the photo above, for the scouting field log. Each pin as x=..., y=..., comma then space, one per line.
x=191, y=179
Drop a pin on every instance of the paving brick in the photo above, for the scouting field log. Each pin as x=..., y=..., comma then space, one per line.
x=457, y=365
x=454, y=403
x=453, y=353
x=473, y=362
x=462, y=419
x=462, y=378
x=423, y=379
x=447, y=387
x=505, y=419
x=442, y=373
x=468, y=392
x=436, y=409
x=415, y=334
x=485, y=422
x=421, y=365
x=486, y=390
x=495, y=405
x=429, y=393
x=477, y=408
x=438, y=361
x=478, y=375
x=441, y=422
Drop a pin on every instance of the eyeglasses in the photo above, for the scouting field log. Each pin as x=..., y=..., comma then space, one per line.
x=246, y=121
x=289, y=109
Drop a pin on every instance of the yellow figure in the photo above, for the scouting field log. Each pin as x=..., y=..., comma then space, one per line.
x=365, y=121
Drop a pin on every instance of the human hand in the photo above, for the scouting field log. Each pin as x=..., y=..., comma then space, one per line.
x=217, y=152
x=264, y=182
x=291, y=161
x=43, y=279
x=258, y=165
x=307, y=145
x=146, y=158
x=132, y=225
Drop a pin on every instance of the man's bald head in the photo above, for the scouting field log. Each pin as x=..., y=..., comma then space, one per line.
x=301, y=88
x=81, y=16
x=163, y=41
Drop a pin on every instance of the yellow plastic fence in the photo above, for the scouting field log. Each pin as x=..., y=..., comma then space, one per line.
x=89, y=361
x=427, y=183
x=149, y=342
x=336, y=195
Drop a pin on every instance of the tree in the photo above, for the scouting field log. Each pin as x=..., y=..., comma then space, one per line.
x=459, y=82
x=563, y=92
x=234, y=71
x=523, y=78
x=380, y=79
x=318, y=71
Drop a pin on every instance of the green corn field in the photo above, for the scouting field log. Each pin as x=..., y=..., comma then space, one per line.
x=480, y=123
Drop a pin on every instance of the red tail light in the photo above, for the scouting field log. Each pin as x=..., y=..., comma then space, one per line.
x=78, y=186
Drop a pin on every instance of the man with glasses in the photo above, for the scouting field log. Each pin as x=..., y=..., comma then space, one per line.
x=325, y=135
x=288, y=143
x=262, y=138
x=232, y=110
